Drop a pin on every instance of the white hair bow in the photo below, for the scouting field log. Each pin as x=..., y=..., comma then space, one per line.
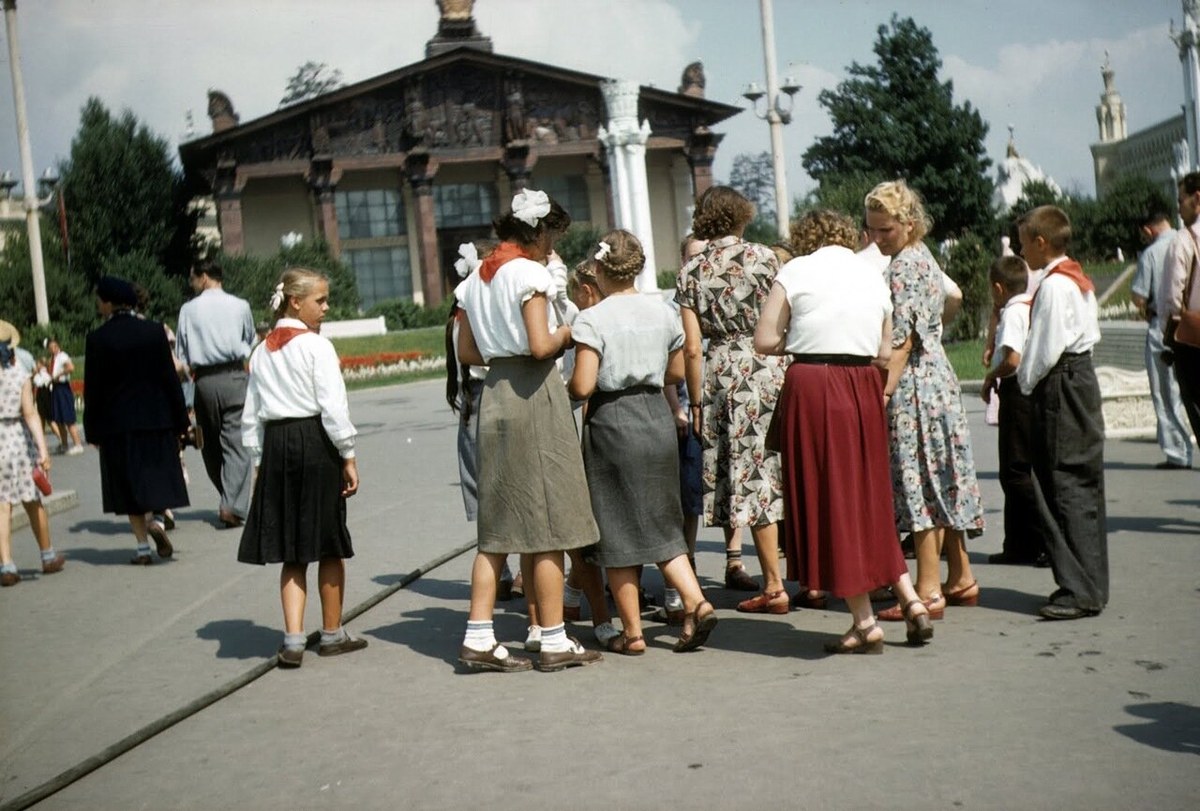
x=605, y=248
x=277, y=297
x=530, y=205
x=468, y=259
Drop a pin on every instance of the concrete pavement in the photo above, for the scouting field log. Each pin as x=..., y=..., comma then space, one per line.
x=1003, y=710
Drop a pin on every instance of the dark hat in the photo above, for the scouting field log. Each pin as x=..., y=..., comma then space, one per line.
x=116, y=291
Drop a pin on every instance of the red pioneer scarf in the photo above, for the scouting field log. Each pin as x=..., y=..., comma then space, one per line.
x=502, y=254
x=278, y=338
x=1071, y=269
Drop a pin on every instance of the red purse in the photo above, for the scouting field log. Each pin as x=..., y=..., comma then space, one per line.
x=42, y=481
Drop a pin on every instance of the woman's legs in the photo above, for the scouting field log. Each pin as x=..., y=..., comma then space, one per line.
x=928, y=545
x=39, y=522
x=587, y=577
x=624, y=584
x=6, y=533
x=56, y=428
x=864, y=623
x=74, y=430
x=293, y=594
x=766, y=544
x=679, y=575
x=958, y=565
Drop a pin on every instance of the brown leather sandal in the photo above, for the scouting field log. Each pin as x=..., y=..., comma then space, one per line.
x=620, y=644
x=918, y=628
x=701, y=627
x=863, y=646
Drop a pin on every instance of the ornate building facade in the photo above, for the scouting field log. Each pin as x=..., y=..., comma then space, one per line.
x=396, y=171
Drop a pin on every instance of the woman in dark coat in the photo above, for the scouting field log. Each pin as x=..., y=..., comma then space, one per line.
x=134, y=412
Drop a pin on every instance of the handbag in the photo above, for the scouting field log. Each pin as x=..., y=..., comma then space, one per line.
x=1184, y=329
x=42, y=481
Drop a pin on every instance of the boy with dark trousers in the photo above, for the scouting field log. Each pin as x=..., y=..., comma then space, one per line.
x=1068, y=427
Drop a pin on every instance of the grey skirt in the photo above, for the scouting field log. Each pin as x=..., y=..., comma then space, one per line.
x=631, y=457
x=532, y=493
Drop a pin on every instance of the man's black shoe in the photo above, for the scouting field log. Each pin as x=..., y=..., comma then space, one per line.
x=1051, y=611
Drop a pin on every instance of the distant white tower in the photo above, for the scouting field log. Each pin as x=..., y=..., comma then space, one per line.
x=1110, y=112
x=1188, y=40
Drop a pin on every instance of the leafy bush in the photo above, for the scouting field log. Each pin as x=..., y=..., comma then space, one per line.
x=254, y=278
x=667, y=279
x=968, y=263
x=165, y=294
x=402, y=313
x=577, y=244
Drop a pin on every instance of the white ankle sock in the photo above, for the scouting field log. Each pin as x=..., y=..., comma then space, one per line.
x=533, y=640
x=571, y=596
x=555, y=640
x=671, y=599
x=482, y=637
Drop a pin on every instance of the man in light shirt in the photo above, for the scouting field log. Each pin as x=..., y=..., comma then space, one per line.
x=1068, y=428
x=1172, y=298
x=214, y=338
x=1173, y=436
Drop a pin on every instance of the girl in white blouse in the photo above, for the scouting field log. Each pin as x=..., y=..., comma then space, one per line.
x=296, y=424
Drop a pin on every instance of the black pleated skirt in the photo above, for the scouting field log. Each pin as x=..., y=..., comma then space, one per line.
x=297, y=512
x=140, y=473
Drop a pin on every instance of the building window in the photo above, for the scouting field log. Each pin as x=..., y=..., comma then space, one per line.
x=458, y=205
x=382, y=273
x=370, y=214
x=571, y=192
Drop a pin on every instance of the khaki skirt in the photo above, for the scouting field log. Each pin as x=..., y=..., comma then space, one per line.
x=533, y=496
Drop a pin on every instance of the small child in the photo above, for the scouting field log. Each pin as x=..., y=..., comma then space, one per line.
x=1025, y=515
x=1068, y=428
x=296, y=425
x=627, y=347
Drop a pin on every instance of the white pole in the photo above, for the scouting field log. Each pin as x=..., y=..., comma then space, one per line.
x=27, y=179
x=774, y=120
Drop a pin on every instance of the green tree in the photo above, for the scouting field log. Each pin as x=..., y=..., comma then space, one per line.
x=310, y=80
x=896, y=119
x=254, y=278
x=1119, y=215
x=123, y=195
x=844, y=194
x=753, y=176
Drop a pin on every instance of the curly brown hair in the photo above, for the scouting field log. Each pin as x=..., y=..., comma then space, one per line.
x=624, y=259
x=821, y=227
x=720, y=211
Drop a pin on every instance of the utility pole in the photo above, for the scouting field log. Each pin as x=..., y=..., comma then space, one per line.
x=27, y=180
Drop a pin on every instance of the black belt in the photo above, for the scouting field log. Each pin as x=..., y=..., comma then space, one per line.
x=203, y=371
x=834, y=360
x=291, y=420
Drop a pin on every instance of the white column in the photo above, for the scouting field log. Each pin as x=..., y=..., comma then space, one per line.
x=625, y=143
x=1190, y=61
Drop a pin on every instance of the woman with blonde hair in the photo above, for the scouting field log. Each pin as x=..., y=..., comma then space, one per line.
x=935, y=492
x=733, y=389
x=296, y=425
x=830, y=310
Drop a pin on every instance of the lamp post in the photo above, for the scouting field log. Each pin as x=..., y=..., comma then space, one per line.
x=27, y=182
x=776, y=113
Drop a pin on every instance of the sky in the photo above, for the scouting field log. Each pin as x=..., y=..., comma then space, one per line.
x=1034, y=64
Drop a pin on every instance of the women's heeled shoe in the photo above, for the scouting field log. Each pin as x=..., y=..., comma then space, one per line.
x=917, y=627
x=864, y=645
x=960, y=596
x=769, y=602
x=935, y=604
x=806, y=599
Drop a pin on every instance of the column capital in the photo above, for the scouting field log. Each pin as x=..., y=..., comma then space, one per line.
x=321, y=175
x=518, y=161
x=420, y=167
x=227, y=181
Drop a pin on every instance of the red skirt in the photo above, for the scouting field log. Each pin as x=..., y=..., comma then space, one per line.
x=839, y=530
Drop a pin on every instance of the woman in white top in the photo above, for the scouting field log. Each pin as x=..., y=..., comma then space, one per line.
x=831, y=311
x=62, y=399
x=627, y=347
x=532, y=492
x=296, y=424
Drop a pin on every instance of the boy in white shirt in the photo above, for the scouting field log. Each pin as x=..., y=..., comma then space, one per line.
x=1025, y=516
x=1068, y=427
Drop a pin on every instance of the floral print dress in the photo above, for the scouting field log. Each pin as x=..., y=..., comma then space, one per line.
x=726, y=287
x=18, y=452
x=933, y=468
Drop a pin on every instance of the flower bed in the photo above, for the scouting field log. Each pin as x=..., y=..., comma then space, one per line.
x=384, y=364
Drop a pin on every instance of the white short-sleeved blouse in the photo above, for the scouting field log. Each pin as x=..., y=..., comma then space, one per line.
x=633, y=334
x=839, y=302
x=494, y=307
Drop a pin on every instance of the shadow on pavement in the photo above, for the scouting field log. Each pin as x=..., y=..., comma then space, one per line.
x=427, y=586
x=1153, y=523
x=241, y=639
x=109, y=557
x=1016, y=602
x=438, y=632
x=118, y=525
x=1175, y=727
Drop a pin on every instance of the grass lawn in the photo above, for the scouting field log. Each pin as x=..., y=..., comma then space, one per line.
x=964, y=357
x=430, y=340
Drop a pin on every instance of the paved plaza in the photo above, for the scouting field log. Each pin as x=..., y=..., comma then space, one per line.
x=1002, y=711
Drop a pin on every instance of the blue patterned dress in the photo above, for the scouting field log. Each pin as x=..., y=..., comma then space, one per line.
x=933, y=469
